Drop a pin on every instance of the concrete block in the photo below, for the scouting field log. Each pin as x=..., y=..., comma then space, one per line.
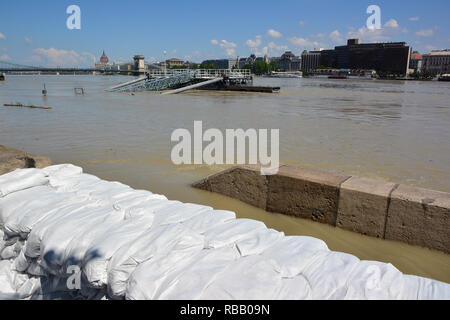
x=363, y=206
x=305, y=193
x=244, y=183
x=420, y=217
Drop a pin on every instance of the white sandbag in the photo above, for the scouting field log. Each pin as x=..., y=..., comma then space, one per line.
x=96, y=259
x=23, y=219
x=209, y=220
x=297, y=288
x=74, y=183
x=156, y=241
x=418, y=288
x=61, y=171
x=136, y=198
x=248, y=278
x=231, y=232
x=150, y=276
x=329, y=274
x=178, y=212
x=33, y=245
x=14, y=202
x=24, y=179
x=258, y=242
x=54, y=241
x=371, y=280
x=189, y=282
x=291, y=255
x=7, y=288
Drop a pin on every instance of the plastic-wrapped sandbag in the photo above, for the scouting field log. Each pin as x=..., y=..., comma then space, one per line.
x=291, y=255
x=150, y=276
x=62, y=171
x=7, y=279
x=191, y=280
x=258, y=242
x=417, y=288
x=208, y=220
x=33, y=245
x=371, y=280
x=22, y=220
x=14, y=202
x=96, y=259
x=178, y=212
x=248, y=278
x=74, y=183
x=232, y=231
x=156, y=241
x=329, y=274
x=54, y=242
x=21, y=180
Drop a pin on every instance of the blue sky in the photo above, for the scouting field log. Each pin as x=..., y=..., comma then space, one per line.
x=35, y=32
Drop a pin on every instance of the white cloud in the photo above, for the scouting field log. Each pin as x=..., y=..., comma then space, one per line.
x=274, y=34
x=303, y=43
x=302, y=23
x=391, y=24
x=389, y=30
x=414, y=19
x=28, y=40
x=2, y=36
x=228, y=47
x=336, y=37
x=253, y=43
x=425, y=33
x=5, y=57
x=65, y=58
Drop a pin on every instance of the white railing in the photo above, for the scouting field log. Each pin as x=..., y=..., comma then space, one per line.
x=204, y=73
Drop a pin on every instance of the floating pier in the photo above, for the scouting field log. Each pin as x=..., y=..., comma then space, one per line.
x=180, y=80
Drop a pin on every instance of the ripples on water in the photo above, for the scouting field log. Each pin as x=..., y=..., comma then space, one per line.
x=393, y=130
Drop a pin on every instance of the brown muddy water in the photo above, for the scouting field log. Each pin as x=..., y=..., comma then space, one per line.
x=393, y=130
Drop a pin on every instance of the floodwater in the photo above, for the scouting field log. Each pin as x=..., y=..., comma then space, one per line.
x=392, y=130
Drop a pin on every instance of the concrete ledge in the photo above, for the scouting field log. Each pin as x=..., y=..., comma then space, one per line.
x=363, y=205
x=419, y=216
x=244, y=183
x=12, y=159
x=375, y=208
x=305, y=193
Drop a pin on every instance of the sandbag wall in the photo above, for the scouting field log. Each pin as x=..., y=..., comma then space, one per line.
x=69, y=235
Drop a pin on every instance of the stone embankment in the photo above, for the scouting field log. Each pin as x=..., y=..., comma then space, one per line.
x=12, y=159
x=375, y=208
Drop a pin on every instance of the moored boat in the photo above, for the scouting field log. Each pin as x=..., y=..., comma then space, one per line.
x=444, y=77
x=2, y=77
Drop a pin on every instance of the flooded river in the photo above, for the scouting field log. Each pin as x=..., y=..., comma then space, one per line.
x=393, y=130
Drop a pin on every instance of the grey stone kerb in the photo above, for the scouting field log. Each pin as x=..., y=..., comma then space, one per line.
x=375, y=208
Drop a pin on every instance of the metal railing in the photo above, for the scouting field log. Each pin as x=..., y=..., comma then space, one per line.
x=204, y=73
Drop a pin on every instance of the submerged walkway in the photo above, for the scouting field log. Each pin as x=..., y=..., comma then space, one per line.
x=66, y=234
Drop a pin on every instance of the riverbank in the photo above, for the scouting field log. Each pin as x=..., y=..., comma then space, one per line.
x=12, y=159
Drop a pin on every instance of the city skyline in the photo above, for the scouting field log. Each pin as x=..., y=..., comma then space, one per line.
x=203, y=30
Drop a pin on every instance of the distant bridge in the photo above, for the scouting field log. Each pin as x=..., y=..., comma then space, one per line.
x=9, y=67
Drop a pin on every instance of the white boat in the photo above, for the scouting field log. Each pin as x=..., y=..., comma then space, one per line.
x=287, y=74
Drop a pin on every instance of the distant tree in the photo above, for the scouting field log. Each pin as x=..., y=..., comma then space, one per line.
x=208, y=66
x=273, y=66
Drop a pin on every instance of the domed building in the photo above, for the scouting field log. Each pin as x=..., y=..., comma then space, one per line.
x=104, y=59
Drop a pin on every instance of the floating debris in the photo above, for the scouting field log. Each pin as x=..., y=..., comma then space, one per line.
x=24, y=106
x=79, y=90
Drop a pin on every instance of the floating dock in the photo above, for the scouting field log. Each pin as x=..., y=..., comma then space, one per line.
x=187, y=79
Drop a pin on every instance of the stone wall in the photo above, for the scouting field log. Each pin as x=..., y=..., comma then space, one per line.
x=375, y=208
